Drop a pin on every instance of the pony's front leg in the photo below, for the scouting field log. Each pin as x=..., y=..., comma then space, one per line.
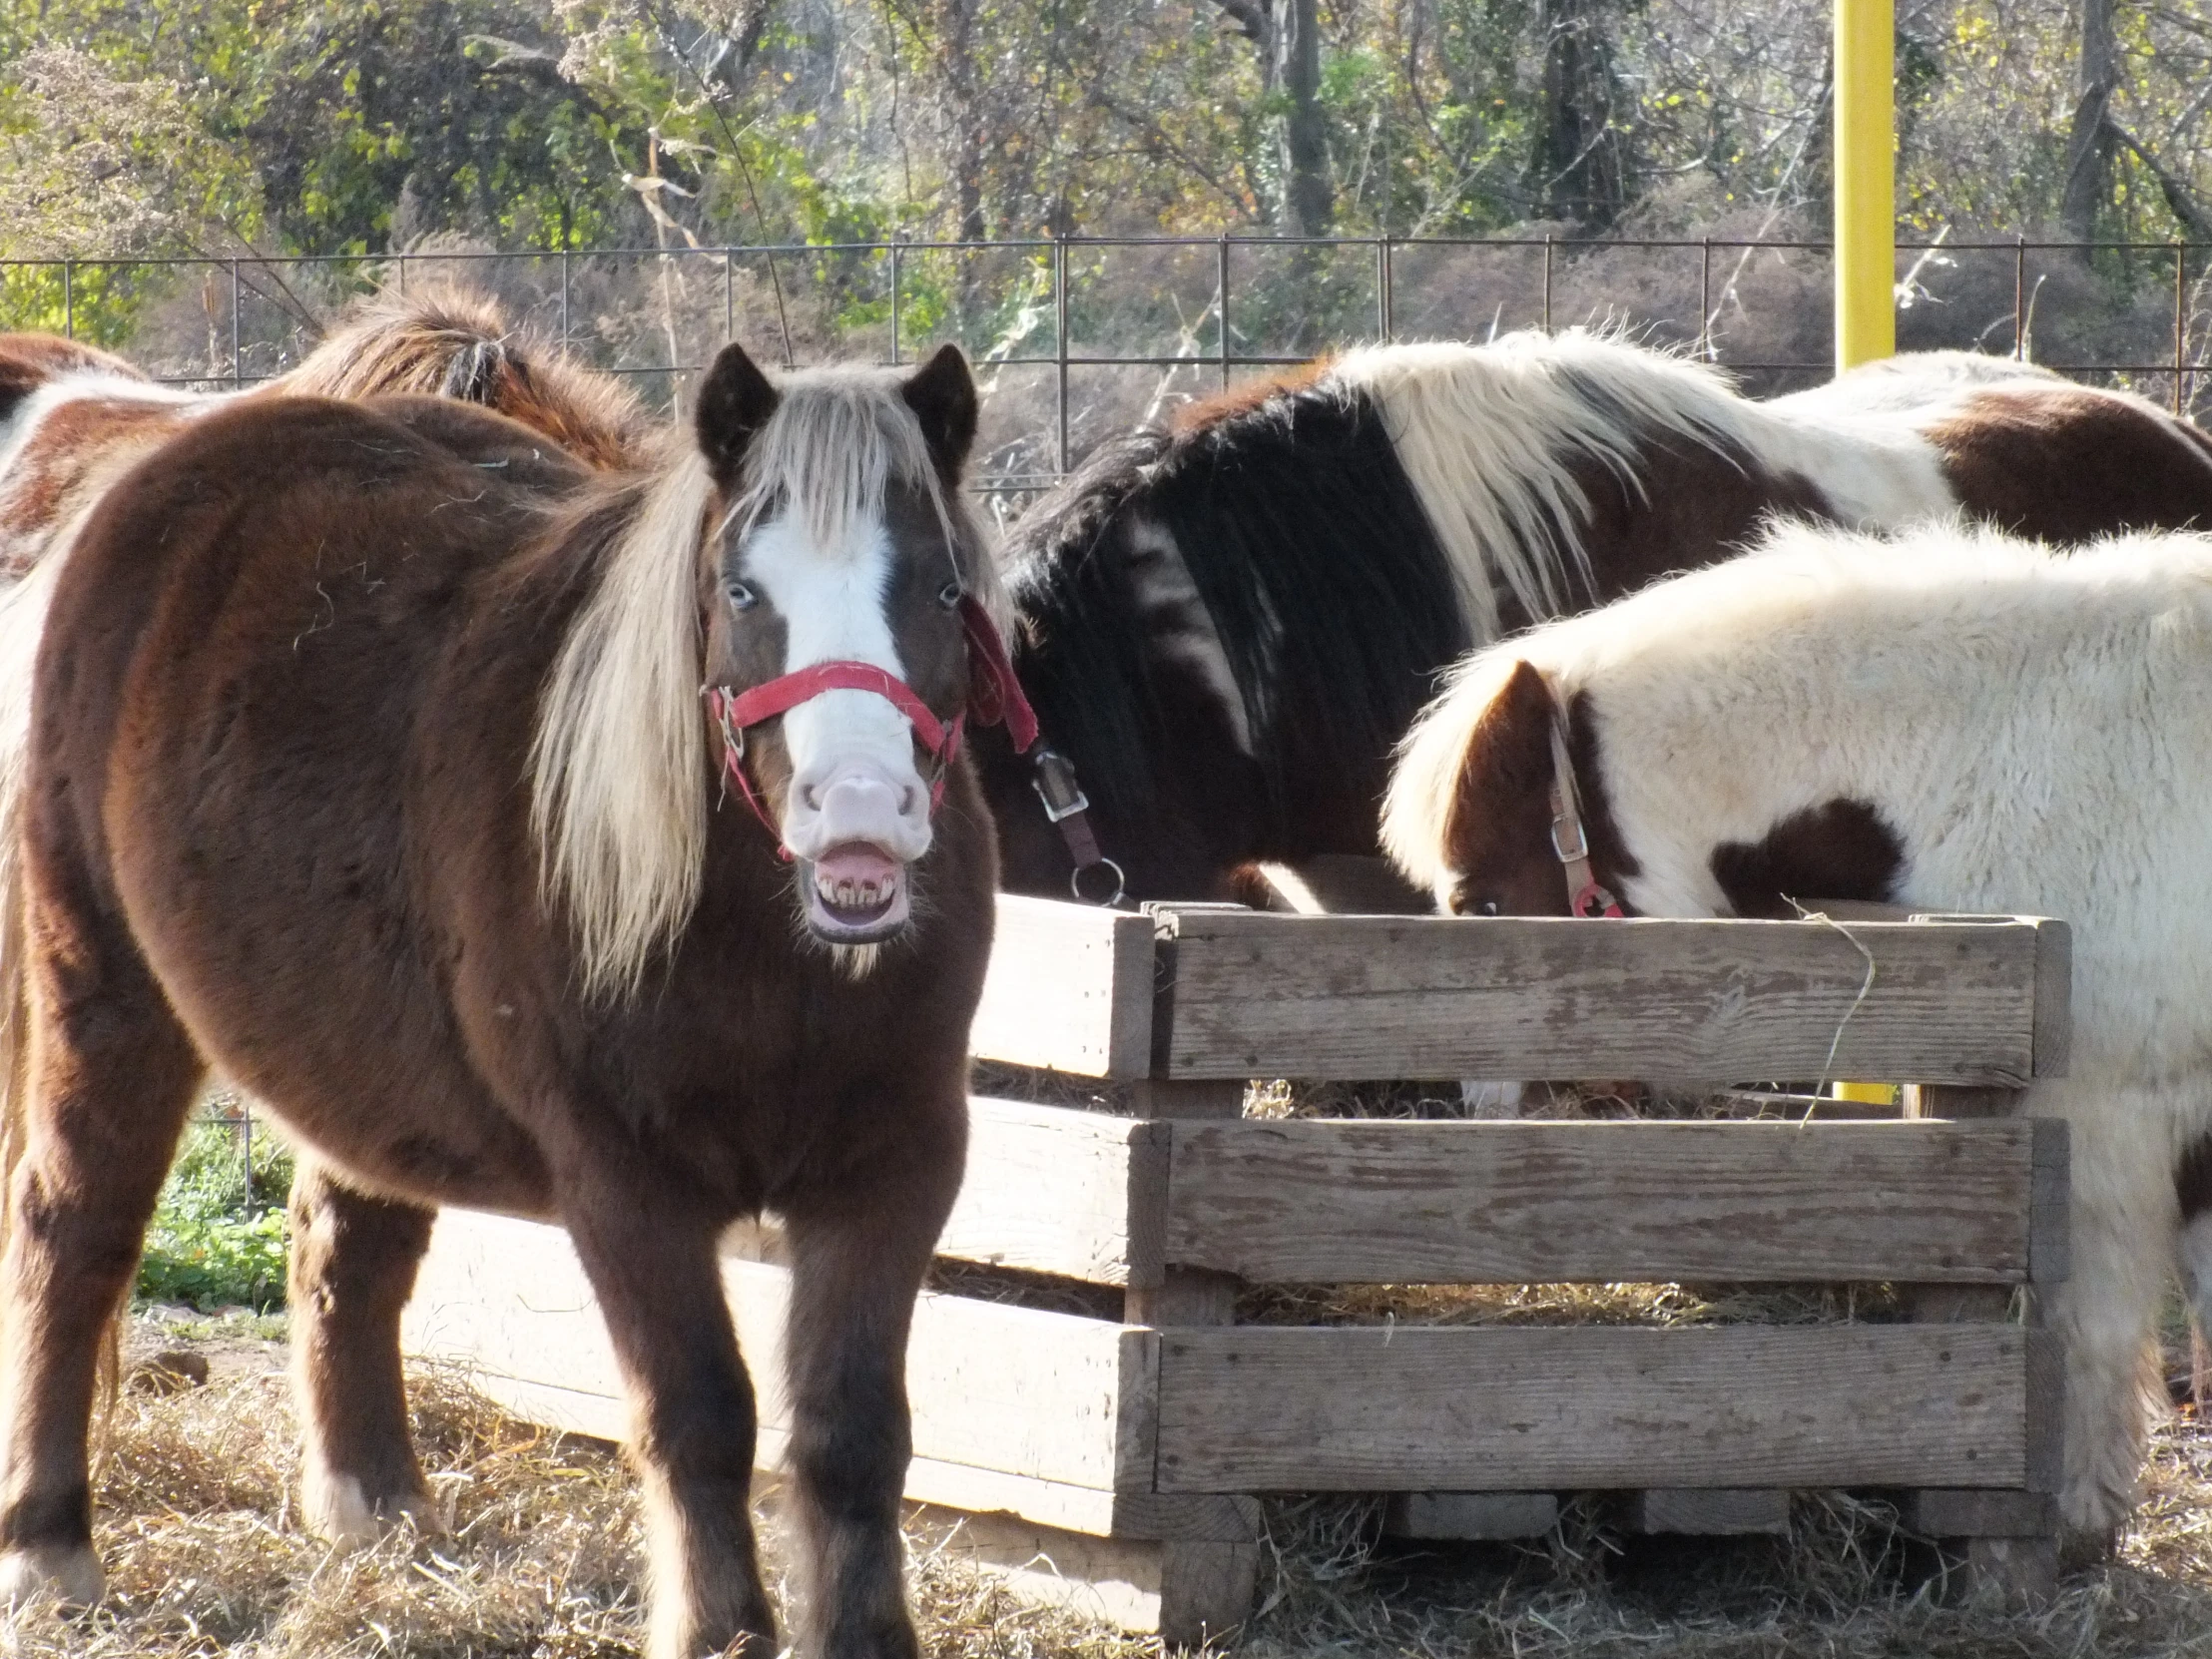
x=858, y=1253
x=693, y=1423
x=2124, y=1217
x=353, y=1261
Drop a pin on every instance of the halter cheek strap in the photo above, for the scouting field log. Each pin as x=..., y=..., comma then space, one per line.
x=994, y=695
x=1586, y=895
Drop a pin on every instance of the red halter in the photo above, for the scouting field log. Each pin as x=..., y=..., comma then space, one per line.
x=994, y=696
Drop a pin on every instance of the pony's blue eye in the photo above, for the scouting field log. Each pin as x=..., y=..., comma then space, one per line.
x=950, y=595
x=742, y=598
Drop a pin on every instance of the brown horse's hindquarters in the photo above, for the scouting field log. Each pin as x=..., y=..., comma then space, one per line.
x=2067, y=464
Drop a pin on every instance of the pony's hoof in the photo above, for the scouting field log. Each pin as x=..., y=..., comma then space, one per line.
x=343, y=1515
x=67, y=1574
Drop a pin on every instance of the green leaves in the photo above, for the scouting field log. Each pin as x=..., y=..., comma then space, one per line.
x=218, y=1239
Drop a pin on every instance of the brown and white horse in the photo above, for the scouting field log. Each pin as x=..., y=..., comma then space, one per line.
x=373, y=769
x=73, y=419
x=1952, y=720
x=1227, y=626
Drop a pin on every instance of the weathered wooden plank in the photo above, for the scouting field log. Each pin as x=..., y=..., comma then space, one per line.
x=1513, y=1202
x=1473, y=1516
x=1258, y=1408
x=2049, y=1238
x=1046, y=1397
x=1069, y=989
x=1952, y=1513
x=1052, y=1189
x=1709, y=1511
x=929, y=1481
x=1255, y=995
x=1189, y=1591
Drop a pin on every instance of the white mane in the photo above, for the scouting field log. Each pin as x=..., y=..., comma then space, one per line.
x=620, y=765
x=1491, y=435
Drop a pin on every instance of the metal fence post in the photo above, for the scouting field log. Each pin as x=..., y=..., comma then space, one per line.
x=1705, y=299
x=2181, y=319
x=728, y=297
x=564, y=298
x=1547, y=284
x=69, y=298
x=2019, y=299
x=1060, y=331
x=1221, y=302
x=1382, y=286
x=898, y=323
x=237, y=358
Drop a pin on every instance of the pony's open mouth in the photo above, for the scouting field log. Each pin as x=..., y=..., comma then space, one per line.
x=856, y=894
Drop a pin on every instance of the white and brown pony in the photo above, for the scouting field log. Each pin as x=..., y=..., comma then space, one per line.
x=1227, y=625
x=1952, y=720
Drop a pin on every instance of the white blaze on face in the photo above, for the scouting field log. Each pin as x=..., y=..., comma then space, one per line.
x=857, y=810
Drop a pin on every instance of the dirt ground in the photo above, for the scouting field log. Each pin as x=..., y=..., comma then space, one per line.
x=204, y=1556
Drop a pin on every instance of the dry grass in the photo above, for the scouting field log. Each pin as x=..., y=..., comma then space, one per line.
x=205, y=1557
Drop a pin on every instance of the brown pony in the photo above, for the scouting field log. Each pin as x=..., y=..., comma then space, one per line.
x=370, y=766
x=73, y=419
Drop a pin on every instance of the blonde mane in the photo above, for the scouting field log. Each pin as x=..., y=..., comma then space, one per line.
x=1489, y=436
x=459, y=342
x=620, y=766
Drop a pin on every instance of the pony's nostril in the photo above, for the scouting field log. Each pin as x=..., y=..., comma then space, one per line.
x=906, y=801
x=810, y=798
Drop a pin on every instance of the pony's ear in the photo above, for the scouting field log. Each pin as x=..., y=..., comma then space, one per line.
x=943, y=396
x=734, y=401
x=1509, y=754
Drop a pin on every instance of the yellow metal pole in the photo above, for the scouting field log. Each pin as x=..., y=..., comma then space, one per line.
x=1866, y=181
x=1866, y=226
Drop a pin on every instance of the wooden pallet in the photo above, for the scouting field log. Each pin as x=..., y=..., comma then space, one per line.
x=1130, y=1454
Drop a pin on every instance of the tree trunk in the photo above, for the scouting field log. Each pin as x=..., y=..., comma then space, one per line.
x=2094, y=145
x=1308, y=197
x=1285, y=37
x=1580, y=170
x=963, y=109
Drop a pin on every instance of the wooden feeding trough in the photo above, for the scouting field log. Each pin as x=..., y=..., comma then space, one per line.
x=1122, y=1458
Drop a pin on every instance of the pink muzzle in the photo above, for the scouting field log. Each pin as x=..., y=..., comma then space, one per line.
x=994, y=696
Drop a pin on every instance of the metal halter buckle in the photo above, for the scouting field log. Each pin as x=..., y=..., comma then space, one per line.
x=1054, y=782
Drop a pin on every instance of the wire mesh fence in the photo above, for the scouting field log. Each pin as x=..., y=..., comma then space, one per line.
x=1078, y=338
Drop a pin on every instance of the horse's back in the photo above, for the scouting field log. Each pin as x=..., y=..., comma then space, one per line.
x=238, y=662
x=2068, y=463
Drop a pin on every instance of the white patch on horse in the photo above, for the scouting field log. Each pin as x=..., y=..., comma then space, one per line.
x=831, y=602
x=2037, y=729
x=85, y=385
x=1177, y=620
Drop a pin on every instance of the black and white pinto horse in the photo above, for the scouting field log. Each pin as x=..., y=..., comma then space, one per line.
x=1952, y=720
x=1226, y=626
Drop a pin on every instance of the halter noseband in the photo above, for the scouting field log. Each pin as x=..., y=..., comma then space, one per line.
x=1586, y=895
x=994, y=696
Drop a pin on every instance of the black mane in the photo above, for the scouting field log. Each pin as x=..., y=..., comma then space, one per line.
x=1326, y=586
